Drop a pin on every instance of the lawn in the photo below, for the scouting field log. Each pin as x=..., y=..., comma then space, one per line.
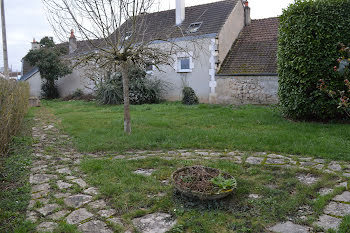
x=279, y=195
x=175, y=126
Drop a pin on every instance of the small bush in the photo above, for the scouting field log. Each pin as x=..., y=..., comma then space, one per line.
x=189, y=96
x=143, y=90
x=307, y=52
x=14, y=98
x=78, y=93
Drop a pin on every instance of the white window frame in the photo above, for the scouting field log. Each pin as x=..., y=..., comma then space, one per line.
x=178, y=62
x=150, y=71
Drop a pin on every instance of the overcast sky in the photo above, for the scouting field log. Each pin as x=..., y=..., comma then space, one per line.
x=26, y=19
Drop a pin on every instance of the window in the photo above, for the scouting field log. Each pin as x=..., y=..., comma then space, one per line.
x=194, y=27
x=184, y=63
x=149, y=68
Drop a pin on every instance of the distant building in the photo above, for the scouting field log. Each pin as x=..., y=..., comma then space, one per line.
x=236, y=62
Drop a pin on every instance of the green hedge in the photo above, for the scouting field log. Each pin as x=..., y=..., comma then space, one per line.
x=14, y=98
x=309, y=34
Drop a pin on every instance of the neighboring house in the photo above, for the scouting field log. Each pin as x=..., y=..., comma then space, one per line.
x=230, y=58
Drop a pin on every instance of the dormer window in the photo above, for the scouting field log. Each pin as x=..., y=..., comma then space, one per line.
x=127, y=35
x=194, y=27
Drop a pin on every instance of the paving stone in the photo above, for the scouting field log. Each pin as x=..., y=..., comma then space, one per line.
x=32, y=216
x=78, y=200
x=40, y=187
x=94, y=227
x=99, y=204
x=319, y=160
x=186, y=153
x=61, y=195
x=106, y=213
x=119, y=157
x=41, y=178
x=307, y=179
x=325, y=191
x=145, y=172
x=328, y=222
x=41, y=168
x=63, y=185
x=289, y=227
x=274, y=156
x=80, y=182
x=319, y=166
x=202, y=153
x=346, y=174
x=344, y=197
x=78, y=216
x=77, y=161
x=64, y=171
x=273, y=161
x=337, y=209
x=59, y=215
x=117, y=221
x=40, y=194
x=254, y=196
x=91, y=191
x=46, y=227
x=254, y=160
x=344, y=184
x=48, y=209
x=307, y=164
x=154, y=223
x=71, y=178
x=334, y=166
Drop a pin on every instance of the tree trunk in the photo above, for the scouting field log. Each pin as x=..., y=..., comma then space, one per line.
x=127, y=118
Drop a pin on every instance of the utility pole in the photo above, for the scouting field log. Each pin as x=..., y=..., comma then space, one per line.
x=4, y=41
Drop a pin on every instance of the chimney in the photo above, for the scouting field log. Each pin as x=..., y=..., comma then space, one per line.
x=247, y=19
x=180, y=11
x=35, y=45
x=73, y=46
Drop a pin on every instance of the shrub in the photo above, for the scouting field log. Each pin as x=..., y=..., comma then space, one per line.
x=342, y=96
x=49, y=90
x=307, y=52
x=143, y=90
x=189, y=96
x=13, y=107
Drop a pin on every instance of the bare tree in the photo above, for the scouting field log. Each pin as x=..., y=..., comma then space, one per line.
x=116, y=33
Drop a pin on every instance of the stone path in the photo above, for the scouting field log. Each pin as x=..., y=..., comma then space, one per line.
x=61, y=193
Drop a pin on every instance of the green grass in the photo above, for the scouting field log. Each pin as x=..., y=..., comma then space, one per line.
x=134, y=195
x=14, y=183
x=175, y=126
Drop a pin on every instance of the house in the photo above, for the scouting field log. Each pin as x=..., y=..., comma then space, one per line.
x=231, y=59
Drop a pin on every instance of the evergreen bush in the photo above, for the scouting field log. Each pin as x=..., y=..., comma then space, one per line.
x=310, y=31
x=143, y=89
x=189, y=96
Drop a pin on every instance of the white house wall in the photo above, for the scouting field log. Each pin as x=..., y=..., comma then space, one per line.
x=198, y=79
x=35, y=85
x=74, y=81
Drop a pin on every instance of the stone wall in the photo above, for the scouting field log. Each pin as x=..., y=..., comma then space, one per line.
x=239, y=90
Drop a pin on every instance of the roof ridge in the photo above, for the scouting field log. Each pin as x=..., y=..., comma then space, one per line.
x=276, y=17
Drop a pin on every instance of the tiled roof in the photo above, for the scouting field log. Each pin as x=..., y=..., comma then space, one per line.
x=29, y=74
x=163, y=24
x=255, y=50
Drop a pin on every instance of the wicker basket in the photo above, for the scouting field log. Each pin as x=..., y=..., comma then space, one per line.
x=201, y=195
